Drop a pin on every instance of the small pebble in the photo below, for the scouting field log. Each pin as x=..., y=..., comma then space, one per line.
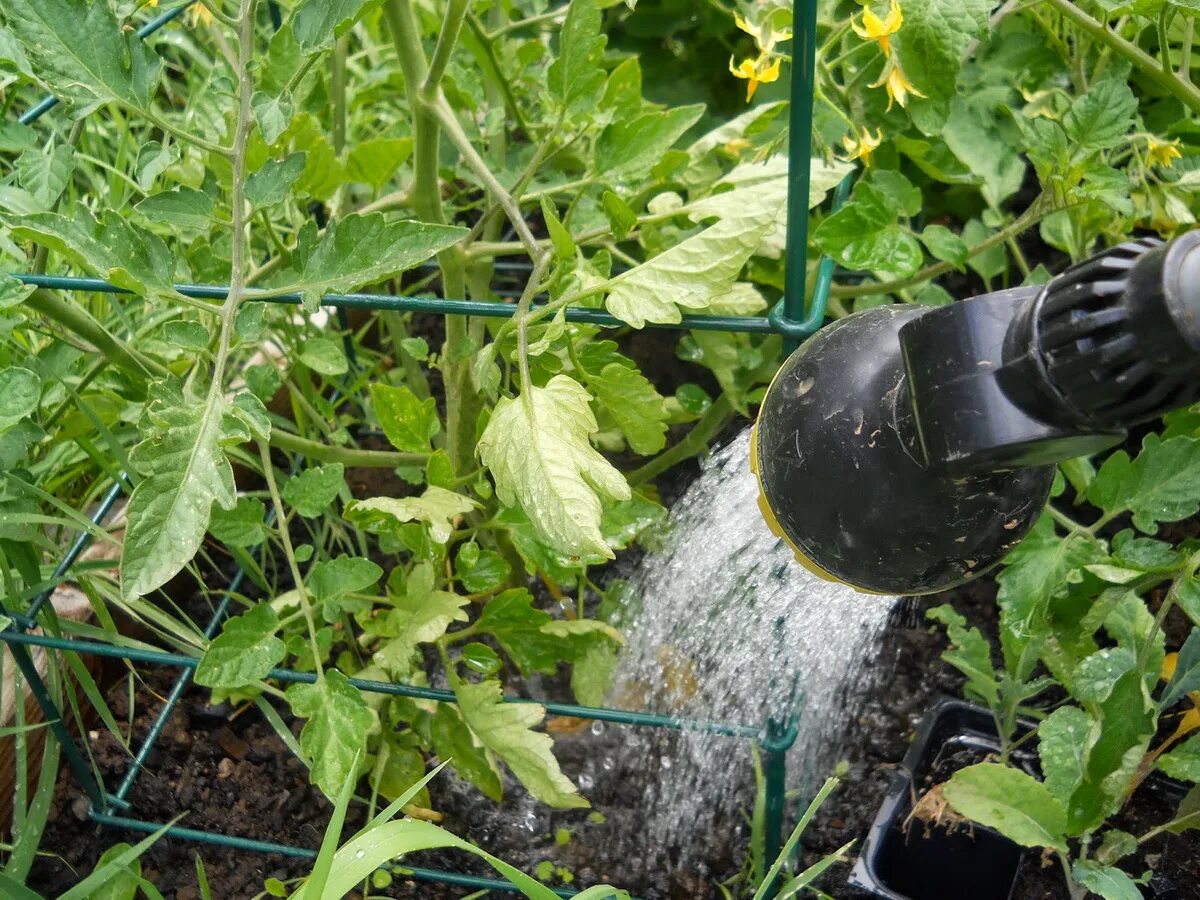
x=224, y=768
x=80, y=807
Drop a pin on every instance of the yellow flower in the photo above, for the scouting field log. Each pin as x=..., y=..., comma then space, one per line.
x=1162, y=153
x=736, y=147
x=897, y=83
x=864, y=146
x=763, y=70
x=874, y=28
x=765, y=35
x=199, y=14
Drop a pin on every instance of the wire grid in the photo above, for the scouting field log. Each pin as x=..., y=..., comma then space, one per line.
x=789, y=318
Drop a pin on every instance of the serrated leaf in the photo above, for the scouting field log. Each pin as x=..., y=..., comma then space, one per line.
x=359, y=250
x=1101, y=118
x=1161, y=485
x=592, y=674
x=630, y=146
x=1108, y=882
x=692, y=273
x=242, y=526
x=970, y=653
x=1062, y=740
x=934, y=35
x=80, y=49
x=504, y=728
x=437, y=507
x=576, y=75
x=408, y=422
x=420, y=616
x=244, y=652
x=20, y=391
x=517, y=626
x=313, y=491
x=273, y=180
x=45, y=175
x=317, y=23
x=1018, y=806
x=337, y=727
x=111, y=248
x=454, y=743
x=537, y=449
x=184, y=206
x=185, y=473
x=634, y=405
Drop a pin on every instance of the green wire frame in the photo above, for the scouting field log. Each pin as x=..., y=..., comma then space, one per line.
x=790, y=318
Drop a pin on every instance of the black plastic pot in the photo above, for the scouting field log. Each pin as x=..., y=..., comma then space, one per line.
x=942, y=864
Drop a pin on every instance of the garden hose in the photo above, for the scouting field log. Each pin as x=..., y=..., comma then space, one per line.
x=907, y=449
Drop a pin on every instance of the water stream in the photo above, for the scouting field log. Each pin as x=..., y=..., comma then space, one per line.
x=727, y=626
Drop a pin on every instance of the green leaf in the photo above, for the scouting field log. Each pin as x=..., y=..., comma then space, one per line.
x=933, y=38
x=621, y=218
x=273, y=113
x=1115, y=845
x=902, y=195
x=972, y=133
x=1108, y=882
x=273, y=180
x=317, y=23
x=537, y=449
x=480, y=570
x=324, y=356
x=504, y=728
x=185, y=207
x=576, y=76
x=1062, y=740
x=409, y=423
x=1101, y=118
x=337, y=727
x=189, y=335
x=376, y=160
x=80, y=49
x=945, y=245
x=560, y=237
x=244, y=652
x=241, y=526
x=153, y=159
x=421, y=616
x=111, y=248
x=1184, y=761
x=123, y=883
x=45, y=175
x=397, y=768
x=633, y=403
x=313, y=491
x=970, y=653
x=630, y=146
x=517, y=626
x=20, y=391
x=331, y=579
x=1018, y=806
x=1161, y=485
x=437, y=507
x=694, y=272
x=592, y=674
x=16, y=138
x=1187, y=671
x=186, y=472
x=1188, y=814
x=359, y=250
x=454, y=742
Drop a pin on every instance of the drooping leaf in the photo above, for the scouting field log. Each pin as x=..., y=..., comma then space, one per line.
x=454, y=742
x=505, y=729
x=1108, y=882
x=633, y=403
x=437, y=507
x=409, y=423
x=337, y=727
x=153, y=159
x=360, y=250
x=324, y=356
x=185, y=472
x=80, y=49
x=592, y=674
x=692, y=273
x=376, y=160
x=516, y=624
x=480, y=570
x=244, y=652
x=1018, y=806
x=1161, y=485
x=242, y=526
x=970, y=653
x=537, y=449
x=273, y=113
x=46, y=175
x=1062, y=739
x=397, y=768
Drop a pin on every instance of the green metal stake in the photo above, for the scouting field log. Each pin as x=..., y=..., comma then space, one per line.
x=800, y=119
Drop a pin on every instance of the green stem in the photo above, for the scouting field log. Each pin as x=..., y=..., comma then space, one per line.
x=696, y=441
x=456, y=11
x=347, y=456
x=1187, y=93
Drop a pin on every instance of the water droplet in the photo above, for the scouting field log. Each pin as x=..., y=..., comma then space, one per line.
x=360, y=854
x=597, y=728
x=586, y=782
x=607, y=764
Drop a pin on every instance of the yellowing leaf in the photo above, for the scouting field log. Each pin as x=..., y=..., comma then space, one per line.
x=504, y=728
x=437, y=507
x=537, y=449
x=337, y=727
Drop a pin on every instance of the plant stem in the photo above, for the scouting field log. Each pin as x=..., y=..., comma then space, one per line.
x=1188, y=93
x=281, y=520
x=347, y=456
x=696, y=441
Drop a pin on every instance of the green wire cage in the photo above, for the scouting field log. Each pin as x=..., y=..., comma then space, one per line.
x=36, y=626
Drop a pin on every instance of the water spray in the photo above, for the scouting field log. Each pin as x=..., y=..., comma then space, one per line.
x=907, y=449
